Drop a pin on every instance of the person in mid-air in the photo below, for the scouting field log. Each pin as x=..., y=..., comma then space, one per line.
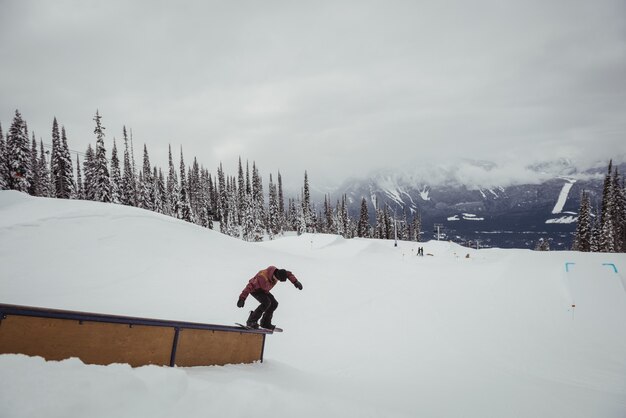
x=259, y=287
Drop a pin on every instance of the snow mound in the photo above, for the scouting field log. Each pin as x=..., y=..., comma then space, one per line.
x=377, y=330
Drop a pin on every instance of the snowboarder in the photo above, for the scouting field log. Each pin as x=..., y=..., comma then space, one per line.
x=259, y=287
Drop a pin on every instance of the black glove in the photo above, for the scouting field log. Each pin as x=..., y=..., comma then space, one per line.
x=298, y=285
x=240, y=303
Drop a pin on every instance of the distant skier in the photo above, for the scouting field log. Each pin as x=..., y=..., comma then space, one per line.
x=259, y=287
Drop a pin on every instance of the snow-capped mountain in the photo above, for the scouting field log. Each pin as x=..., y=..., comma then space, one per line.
x=482, y=201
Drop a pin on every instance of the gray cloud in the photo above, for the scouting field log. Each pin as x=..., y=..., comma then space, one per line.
x=337, y=88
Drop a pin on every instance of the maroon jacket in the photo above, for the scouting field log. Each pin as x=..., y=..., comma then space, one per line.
x=264, y=280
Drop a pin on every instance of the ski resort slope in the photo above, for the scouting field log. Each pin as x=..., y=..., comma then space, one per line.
x=376, y=332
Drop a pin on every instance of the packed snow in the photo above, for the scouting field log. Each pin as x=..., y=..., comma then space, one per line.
x=377, y=330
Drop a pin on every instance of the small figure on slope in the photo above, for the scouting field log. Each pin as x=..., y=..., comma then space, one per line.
x=259, y=287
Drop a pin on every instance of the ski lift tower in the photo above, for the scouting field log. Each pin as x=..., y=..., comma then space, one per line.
x=437, y=228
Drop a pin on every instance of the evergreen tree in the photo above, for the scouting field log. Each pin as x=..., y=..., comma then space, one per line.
x=344, y=218
x=583, y=227
x=80, y=190
x=4, y=172
x=232, y=197
x=416, y=227
x=185, y=209
x=306, y=205
x=55, y=163
x=619, y=208
x=44, y=172
x=88, y=170
x=542, y=245
x=146, y=192
x=65, y=188
x=329, y=225
x=595, y=234
x=274, y=224
x=18, y=155
x=387, y=222
x=607, y=222
x=101, y=178
x=258, y=205
x=127, y=192
x=379, y=228
x=3, y=163
x=116, y=176
x=35, y=184
x=222, y=201
x=364, y=225
x=194, y=187
x=173, y=191
x=241, y=193
x=159, y=190
x=247, y=218
x=281, y=203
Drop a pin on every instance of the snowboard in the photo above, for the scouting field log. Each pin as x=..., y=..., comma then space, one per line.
x=259, y=329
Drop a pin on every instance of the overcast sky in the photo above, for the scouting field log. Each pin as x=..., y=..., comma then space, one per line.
x=339, y=88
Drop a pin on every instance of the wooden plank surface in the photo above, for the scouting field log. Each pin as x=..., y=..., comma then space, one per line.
x=92, y=342
x=204, y=347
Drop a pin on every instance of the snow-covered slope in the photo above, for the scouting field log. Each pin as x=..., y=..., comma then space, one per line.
x=377, y=331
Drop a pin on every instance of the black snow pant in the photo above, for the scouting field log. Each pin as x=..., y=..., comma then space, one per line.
x=265, y=309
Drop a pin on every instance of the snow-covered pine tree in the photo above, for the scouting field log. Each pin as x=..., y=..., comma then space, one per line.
x=127, y=187
x=55, y=163
x=146, y=186
x=159, y=190
x=622, y=216
x=241, y=193
x=44, y=172
x=619, y=207
x=35, y=183
x=222, y=201
x=4, y=172
x=403, y=227
x=329, y=226
x=388, y=223
x=595, y=234
x=416, y=227
x=345, y=218
x=272, y=209
x=607, y=223
x=101, y=177
x=194, y=188
x=18, y=155
x=88, y=170
x=211, y=199
x=80, y=189
x=379, y=228
x=116, y=176
x=364, y=224
x=301, y=220
x=203, y=215
x=233, y=227
x=542, y=245
x=306, y=205
x=258, y=205
x=247, y=218
x=173, y=189
x=281, y=203
x=68, y=188
x=583, y=226
x=185, y=209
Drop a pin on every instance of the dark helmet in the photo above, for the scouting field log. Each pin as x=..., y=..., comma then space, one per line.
x=281, y=274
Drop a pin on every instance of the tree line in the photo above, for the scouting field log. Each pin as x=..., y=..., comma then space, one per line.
x=603, y=229
x=187, y=192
